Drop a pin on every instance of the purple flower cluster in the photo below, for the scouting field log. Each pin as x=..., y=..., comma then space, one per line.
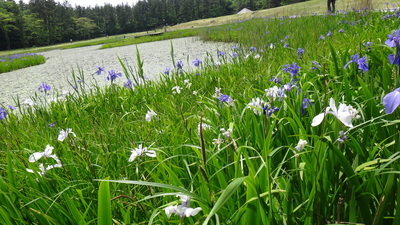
x=315, y=66
x=3, y=114
x=393, y=41
x=219, y=53
x=44, y=87
x=395, y=14
x=305, y=103
x=179, y=64
x=361, y=62
x=100, y=69
x=167, y=70
x=225, y=98
x=129, y=84
x=113, y=74
x=300, y=51
x=293, y=69
x=276, y=80
x=10, y=58
x=269, y=110
x=197, y=62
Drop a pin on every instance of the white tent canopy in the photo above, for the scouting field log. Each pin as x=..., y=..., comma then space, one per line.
x=244, y=10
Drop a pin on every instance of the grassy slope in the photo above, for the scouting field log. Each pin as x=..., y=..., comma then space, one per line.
x=308, y=7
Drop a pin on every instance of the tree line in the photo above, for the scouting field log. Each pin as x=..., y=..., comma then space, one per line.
x=46, y=22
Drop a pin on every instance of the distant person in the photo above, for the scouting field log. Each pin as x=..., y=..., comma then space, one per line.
x=331, y=6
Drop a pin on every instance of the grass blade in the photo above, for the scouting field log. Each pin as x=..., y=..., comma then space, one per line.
x=229, y=190
x=104, y=216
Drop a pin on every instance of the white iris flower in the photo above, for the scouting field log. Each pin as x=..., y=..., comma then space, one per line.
x=150, y=115
x=182, y=210
x=64, y=134
x=345, y=113
x=47, y=153
x=140, y=151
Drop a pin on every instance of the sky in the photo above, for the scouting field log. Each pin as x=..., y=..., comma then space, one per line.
x=94, y=2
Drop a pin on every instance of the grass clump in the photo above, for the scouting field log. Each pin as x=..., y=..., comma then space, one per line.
x=97, y=41
x=151, y=37
x=18, y=61
x=293, y=127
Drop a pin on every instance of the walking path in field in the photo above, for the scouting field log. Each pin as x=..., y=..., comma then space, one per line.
x=57, y=70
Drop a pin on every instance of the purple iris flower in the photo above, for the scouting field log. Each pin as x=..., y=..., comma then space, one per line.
x=341, y=31
x=113, y=74
x=393, y=39
x=166, y=71
x=3, y=114
x=12, y=107
x=44, y=87
x=276, y=80
x=197, y=62
x=316, y=65
x=129, y=84
x=368, y=44
x=235, y=55
x=225, y=98
x=292, y=69
x=391, y=101
x=53, y=124
x=269, y=111
x=305, y=103
x=179, y=64
x=286, y=45
x=394, y=60
x=220, y=53
x=253, y=49
x=289, y=86
x=329, y=34
x=322, y=37
x=361, y=62
x=100, y=69
x=300, y=51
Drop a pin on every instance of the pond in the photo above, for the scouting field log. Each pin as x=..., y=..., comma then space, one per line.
x=60, y=64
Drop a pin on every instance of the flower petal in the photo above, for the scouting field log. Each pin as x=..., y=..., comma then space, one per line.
x=35, y=156
x=318, y=119
x=192, y=212
x=332, y=105
x=48, y=150
x=169, y=210
x=346, y=118
x=151, y=153
x=391, y=101
x=133, y=156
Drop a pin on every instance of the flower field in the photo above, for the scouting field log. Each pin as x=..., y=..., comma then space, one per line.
x=18, y=61
x=300, y=124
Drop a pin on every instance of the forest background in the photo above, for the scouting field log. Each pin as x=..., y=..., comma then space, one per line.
x=46, y=22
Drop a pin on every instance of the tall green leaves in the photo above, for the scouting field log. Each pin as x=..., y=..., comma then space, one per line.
x=104, y=216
